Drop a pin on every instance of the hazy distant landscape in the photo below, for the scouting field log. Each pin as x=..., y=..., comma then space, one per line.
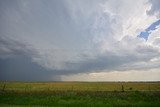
x=80, y=94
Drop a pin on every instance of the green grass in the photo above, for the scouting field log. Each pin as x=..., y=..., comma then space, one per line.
x=80, y=94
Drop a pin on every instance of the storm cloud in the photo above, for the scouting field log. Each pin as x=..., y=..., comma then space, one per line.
x=43, y=40
x=17, y=65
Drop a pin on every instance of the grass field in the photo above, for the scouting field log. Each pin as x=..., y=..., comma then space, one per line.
x=80, y=94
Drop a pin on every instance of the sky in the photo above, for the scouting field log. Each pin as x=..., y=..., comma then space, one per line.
x=80, y=40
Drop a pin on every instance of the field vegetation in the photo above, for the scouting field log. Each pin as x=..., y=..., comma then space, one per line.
x=80, y=94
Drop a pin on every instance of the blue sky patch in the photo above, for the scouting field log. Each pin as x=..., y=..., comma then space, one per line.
x=145, y=34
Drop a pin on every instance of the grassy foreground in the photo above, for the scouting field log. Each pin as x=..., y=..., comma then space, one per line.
x=80, y=94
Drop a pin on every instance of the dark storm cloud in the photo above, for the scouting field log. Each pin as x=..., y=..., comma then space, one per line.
x=19, y=65
x=10, y=47
x=104, y=62
x=16, y=63
x=44, y=39
x=114, y=62
x=139, y=59
x=21, y=68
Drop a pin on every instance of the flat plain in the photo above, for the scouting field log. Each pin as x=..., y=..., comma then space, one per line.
x=79, y=94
